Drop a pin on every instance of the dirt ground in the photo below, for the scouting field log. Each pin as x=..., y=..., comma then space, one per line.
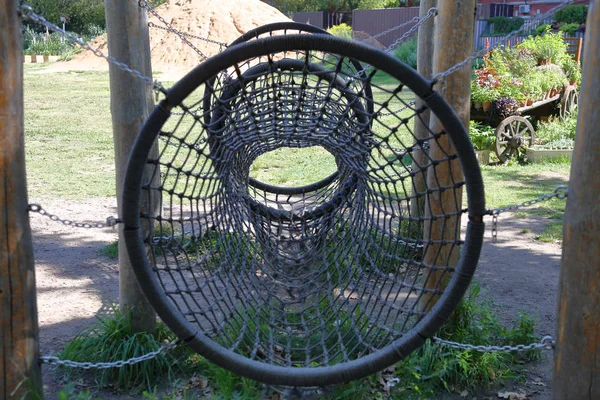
x=75, y=282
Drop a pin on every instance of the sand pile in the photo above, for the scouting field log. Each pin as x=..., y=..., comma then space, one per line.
x=218, y=20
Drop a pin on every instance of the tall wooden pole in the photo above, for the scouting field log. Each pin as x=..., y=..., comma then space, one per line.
x=454, y=30
x=130, y=104
x=20, y=375
x=577, y=353
x=421, y=131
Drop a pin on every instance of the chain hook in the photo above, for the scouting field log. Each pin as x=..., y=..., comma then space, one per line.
x=548, y=342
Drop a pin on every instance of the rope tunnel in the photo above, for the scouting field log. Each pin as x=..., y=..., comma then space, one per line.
x=324, y=279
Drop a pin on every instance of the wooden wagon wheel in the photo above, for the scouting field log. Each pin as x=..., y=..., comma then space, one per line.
x=568, y=103
x=512, y=134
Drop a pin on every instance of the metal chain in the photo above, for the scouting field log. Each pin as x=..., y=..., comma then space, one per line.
x=547, y=343
x=432, y=12
x=28, y=13
x=104, y=365
x=482, y=52
x=560, y=192
x=221, y=44
x=392, y=29
x=144, y=4
x=110, y=221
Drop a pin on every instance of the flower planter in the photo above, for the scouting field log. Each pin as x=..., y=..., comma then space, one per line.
x=486, y=105
x=537, y=155
x=544, y=61
x=477, y=106
x=483, y=156
x=529, y=102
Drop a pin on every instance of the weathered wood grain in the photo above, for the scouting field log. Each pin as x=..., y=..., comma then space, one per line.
x=20, y=375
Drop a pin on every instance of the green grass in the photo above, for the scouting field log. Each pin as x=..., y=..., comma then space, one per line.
x=110, y=250
x=433, y=369
x=68, y=134
x=293, y=167
x=112, y=338
x=513, y=184
x=552, y=233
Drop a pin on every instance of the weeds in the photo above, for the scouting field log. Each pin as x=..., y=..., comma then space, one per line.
x=433, y=368
x=112, y=339
x=552, y=233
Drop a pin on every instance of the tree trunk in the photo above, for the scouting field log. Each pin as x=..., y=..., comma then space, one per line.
x=453, y=43
x=130, y=103
x=577, y=353
x=421, y=127
x=20, y=375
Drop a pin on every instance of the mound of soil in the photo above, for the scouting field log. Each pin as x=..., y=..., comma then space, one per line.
x=220, y=21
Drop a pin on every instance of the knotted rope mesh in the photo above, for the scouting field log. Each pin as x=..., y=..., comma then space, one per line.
x=323, y=279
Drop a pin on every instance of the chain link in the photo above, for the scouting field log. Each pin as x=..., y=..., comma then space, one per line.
x=547, y=343
x=432, y=12
x=484, y=51
x=560, y=192
x=110, y=221
x=28, y=13
x=221, y=44
x=144, y=4
x=104, y=365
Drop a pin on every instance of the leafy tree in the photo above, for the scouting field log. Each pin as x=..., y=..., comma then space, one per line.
x=572, y=14
x=82, y=16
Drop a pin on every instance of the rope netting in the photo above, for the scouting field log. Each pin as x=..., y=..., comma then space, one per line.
x=334, y=277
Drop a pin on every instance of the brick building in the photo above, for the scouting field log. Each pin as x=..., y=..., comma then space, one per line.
x=529, y=8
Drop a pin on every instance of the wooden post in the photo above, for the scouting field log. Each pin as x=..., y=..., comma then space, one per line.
x=130, y=104
x=425, y=68
x=20, y=375
x=577, y=353
x=454, y=30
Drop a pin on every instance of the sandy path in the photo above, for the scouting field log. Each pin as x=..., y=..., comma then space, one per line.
x=75, y=282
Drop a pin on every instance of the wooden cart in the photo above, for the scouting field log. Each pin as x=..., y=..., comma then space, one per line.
x=515, y=133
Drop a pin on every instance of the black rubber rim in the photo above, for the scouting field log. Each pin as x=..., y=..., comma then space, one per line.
x=345, y=371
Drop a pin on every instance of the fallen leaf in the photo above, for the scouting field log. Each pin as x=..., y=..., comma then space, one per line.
x=512, y=395
x=197, y=382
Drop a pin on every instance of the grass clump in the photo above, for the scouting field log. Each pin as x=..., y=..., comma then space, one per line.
x=113, y=338
x=552, y=233
x=224, y=382
x=111, y=250
x=435, y=368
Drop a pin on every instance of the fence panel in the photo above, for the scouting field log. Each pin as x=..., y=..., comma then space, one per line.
x=373, y=22
x=317, y=18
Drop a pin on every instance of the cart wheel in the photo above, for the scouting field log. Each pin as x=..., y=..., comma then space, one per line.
x=568, y=103
x=513, y=133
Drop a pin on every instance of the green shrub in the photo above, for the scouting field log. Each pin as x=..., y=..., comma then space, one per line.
x=572, y=14
x=407, y=52
x=482, y=136
x=541, y=29
x=555, y=131
x=341, y=30
x=572, y=70
x=40, y=44
x=505, y=25
x=549, y=45
x=569, y=28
